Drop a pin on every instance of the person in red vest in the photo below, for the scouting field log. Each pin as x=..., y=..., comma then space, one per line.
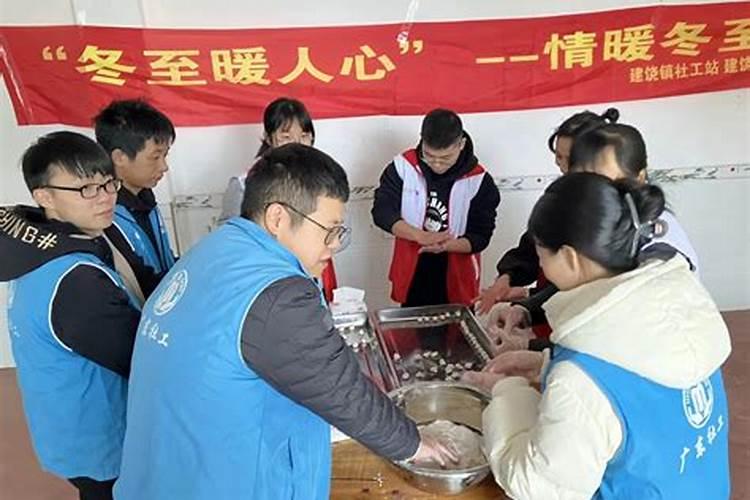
x=440, y=203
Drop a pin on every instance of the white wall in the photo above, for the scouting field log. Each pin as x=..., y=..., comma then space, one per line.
x=681, y=132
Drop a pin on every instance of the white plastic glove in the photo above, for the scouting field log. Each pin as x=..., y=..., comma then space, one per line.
x=515, y=340
x=483, y=380
x=527, y=364
x=433, y=451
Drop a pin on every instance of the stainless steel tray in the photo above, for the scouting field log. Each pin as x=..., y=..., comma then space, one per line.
x=430, y=343
x=362, y=340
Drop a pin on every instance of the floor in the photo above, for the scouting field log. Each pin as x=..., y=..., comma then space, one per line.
x=21, y=479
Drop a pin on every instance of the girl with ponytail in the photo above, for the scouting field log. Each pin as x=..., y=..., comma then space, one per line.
x=631, y=403
x=617, y=151
x=561, y=140
x=519, y=266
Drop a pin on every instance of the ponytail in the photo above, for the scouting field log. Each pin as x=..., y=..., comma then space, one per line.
x=607, y=221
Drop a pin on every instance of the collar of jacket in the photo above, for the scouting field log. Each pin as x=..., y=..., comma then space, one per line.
x=656, y=321
x=144, y=201
x=28, y=240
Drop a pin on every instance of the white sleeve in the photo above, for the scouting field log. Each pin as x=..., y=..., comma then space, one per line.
x=554, y=445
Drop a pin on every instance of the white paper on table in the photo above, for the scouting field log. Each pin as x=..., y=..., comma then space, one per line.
x=337, y=435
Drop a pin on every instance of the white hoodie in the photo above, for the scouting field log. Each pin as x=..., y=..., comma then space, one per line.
x=657, y=321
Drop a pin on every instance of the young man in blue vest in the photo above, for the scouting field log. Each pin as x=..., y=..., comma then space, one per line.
x=238, y=372
x=72, y=319
x=137, y=137
x=440, y=204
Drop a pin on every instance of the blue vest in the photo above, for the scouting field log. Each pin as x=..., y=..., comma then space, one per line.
x=162, y=258
x=202, y=425
x=675, y=442
x=75, y=408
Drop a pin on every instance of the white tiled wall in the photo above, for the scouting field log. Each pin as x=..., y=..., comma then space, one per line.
x=715, y=214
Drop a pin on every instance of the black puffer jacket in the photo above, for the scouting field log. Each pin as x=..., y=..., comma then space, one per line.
x=89, y=313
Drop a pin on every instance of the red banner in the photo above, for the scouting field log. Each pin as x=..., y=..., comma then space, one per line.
x=64, y=74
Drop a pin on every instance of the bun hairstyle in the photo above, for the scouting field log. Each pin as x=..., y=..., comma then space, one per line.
x=607, y=221
x=580, y=122
x=625, y=140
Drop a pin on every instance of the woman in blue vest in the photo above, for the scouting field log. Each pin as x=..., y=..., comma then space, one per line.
x=138, y=137
x=632, y=404
x=238, y=372
x=72, y=318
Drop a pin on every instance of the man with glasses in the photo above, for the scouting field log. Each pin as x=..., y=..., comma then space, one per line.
x=238, y=372
x=71, y=317
x=440, y=204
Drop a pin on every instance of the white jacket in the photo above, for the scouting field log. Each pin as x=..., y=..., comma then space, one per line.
x=657, y=321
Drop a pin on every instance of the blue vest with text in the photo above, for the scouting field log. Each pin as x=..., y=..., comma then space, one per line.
x=202, y=425
x=161, y=257
x=75, y=408
x=675, y=442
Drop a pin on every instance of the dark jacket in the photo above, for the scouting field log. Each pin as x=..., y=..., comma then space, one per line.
x=90, y=314
x=521, y=263
x=288, y=338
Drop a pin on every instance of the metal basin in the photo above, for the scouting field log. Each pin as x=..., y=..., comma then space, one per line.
x=453, y=401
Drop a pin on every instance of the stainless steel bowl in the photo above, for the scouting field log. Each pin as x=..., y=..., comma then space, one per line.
x=453, y=401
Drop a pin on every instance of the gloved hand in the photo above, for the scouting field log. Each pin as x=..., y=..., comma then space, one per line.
x=513, y=316
x=516, y=339
x=527, y=364
x=483, y=380
x=433, y=451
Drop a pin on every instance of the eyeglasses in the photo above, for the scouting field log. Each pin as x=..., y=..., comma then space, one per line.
x=305, y=138
x=91, y=191
x=445, y=159
x=341, y=233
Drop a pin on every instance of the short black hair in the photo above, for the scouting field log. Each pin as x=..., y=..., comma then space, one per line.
x=281, y=113
x=70, y=151
x=580, y=123
x=296, y=175
x=590, y=213
x=127, y=125
x=441, y=128
x=626, y=141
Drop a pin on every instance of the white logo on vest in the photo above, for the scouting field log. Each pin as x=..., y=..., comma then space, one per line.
x=698, y=403
x=172, y=293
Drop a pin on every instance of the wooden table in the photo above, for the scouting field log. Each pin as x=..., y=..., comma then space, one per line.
x=354, y=468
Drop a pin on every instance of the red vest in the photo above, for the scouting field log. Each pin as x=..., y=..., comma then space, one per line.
x=328, y=280
x=463, y=269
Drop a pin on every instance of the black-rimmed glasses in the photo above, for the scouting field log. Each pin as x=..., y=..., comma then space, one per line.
x=340, y=233
x=91, y=191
